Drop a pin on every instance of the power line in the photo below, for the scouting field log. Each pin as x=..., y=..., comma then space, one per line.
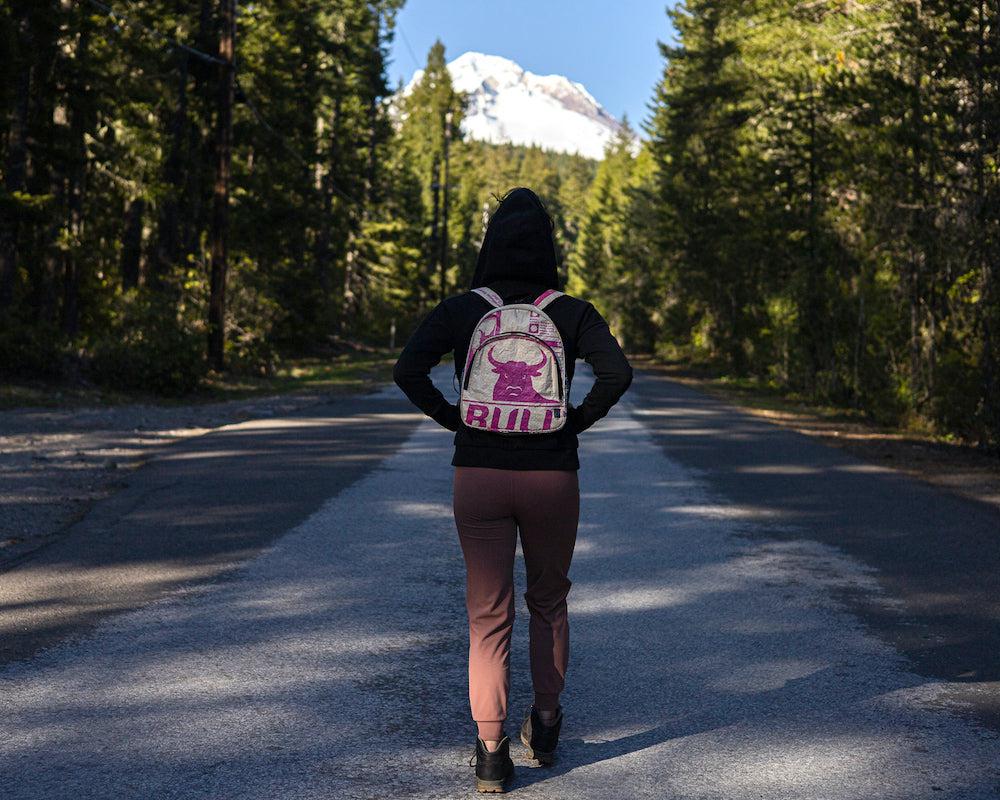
x=408, y=48
x=284, y=143
x=117, y=15
x=267, y=126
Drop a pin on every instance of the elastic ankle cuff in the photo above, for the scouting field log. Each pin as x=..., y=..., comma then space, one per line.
x=491, y=730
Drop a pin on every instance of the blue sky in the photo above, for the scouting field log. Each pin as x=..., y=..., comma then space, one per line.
x=608, y=47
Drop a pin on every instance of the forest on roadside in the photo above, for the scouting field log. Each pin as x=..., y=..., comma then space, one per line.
x=814, y=201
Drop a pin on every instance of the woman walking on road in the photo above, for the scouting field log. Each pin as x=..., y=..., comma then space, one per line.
x=515, y=459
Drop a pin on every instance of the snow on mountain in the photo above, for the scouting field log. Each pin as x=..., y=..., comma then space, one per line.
x=510, y=104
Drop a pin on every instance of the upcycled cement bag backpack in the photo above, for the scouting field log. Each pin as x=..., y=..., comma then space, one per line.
x=514, y=379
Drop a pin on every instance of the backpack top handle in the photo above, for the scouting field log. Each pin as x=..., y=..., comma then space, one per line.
x=496, y=300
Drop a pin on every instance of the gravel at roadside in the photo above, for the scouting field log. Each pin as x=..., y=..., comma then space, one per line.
x=56, y=462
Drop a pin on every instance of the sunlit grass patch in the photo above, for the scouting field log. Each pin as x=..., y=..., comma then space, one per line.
x=345, y=372
x=351, y=371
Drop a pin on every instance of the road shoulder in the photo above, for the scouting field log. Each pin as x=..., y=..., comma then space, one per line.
x=957, y=468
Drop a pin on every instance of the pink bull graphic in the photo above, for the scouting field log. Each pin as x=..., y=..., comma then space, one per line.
x=514, y=380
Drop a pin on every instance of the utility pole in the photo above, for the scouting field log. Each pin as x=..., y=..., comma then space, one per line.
x=219, y=233
x=443, y=258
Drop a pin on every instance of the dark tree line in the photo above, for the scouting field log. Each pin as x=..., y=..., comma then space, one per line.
x=818, y=204
x=183, y=178
x=205, y=185
x=184, y=187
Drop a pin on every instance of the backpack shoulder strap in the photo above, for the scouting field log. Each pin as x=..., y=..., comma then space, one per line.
x=489, y=296
x=547, y=297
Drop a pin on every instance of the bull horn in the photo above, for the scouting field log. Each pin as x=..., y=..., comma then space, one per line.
x=541, y=363
x=493, y=361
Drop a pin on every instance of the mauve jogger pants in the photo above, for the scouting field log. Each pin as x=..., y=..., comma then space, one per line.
x=491, y=505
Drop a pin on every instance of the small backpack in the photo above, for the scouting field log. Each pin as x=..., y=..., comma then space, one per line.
x=514, y=380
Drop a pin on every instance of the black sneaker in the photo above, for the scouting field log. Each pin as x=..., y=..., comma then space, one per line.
x=493, y=770
x=539, y=738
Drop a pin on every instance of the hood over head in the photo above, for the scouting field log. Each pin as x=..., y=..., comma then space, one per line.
x=518, y=244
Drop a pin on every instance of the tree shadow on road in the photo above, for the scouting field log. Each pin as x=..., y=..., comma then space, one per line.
x=708, y=658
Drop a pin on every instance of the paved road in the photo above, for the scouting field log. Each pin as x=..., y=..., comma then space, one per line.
x=739, y=613
x=197, y=511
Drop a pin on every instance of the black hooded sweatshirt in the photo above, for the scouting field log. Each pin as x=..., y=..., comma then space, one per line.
x=518, y=261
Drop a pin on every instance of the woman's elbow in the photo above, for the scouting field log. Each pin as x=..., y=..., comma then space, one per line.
x=626, y=378
x=616, y=381
x=400, y=373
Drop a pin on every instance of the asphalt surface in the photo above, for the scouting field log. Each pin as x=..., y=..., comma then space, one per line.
x=197, y=511
x=752, y=616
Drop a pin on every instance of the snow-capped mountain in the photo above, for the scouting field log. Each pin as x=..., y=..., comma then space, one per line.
x=510, y=104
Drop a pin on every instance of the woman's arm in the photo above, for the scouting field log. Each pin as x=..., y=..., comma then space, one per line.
x=431, y=340
x=612, y=372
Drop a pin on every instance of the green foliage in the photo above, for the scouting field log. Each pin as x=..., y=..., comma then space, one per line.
x=108, y=135
x=149, y=348
x=30, y=350
x=816, y=206
x=105, y=240
x=956, y=405
x=252, y=316
x=615, y=261
x=823, y=210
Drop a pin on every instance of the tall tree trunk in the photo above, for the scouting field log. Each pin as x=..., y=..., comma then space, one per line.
x=346, y=316
x=220, y=200
x=195, y=213
x=132, y=243
x=354, y=278
x=814, y=330
x=986, y=246
x=859, y=340
x=915, y=233
x=49, y=118
x=80, y=113
x=44, y=281
x=443, y=262
x=168, y=242
x=16, y=166
x=436, y=210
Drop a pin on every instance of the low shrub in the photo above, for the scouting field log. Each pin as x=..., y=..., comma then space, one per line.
x=149, y=349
